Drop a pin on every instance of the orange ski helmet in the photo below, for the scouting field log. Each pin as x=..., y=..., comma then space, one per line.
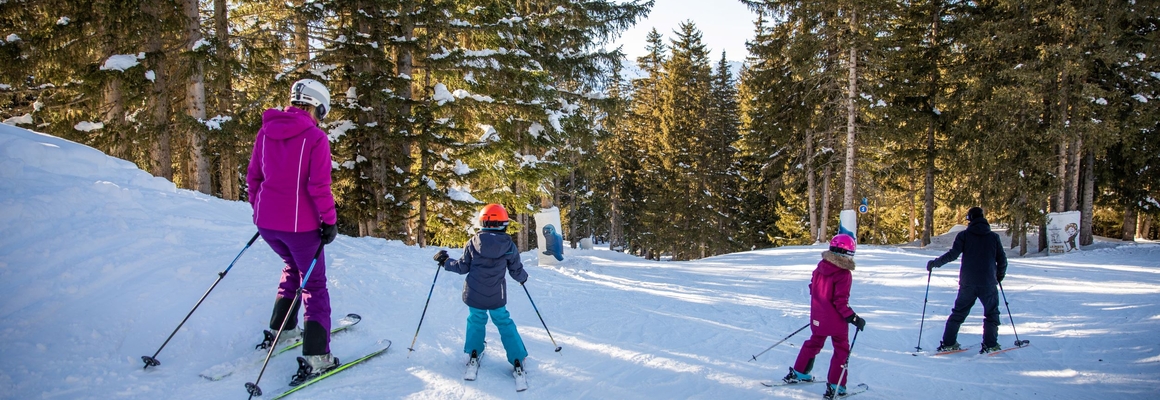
x=493, y=216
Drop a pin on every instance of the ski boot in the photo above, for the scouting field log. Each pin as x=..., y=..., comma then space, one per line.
x=951, y=347
x=286, y=337
x=472, y=367
x=519, y=374
x=988, y=349
x=794, y=377
x=834, y=391
x=310, y=367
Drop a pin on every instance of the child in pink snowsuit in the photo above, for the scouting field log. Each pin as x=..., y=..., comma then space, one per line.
x=829, y=315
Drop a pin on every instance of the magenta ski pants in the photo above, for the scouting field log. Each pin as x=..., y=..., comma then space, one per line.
x=814, y=345
x=297, y=251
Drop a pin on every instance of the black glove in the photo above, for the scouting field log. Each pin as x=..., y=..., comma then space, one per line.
x=931, y=265
x=857, y=321
x=1000, y=277
x=328, y=232
x=441, y=256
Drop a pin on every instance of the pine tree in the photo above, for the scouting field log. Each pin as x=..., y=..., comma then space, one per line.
x=723, y=178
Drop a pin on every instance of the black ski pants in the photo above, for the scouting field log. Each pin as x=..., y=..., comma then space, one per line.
x=989, y=296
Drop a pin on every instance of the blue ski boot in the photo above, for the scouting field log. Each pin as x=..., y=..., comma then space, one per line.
x=794, y=377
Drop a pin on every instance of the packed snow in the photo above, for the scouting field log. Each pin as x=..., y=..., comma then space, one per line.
x=100, y=262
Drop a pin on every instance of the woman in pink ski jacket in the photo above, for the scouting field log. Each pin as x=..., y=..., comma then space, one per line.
x=289, y=190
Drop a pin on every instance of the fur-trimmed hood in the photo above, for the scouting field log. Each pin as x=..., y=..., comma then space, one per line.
x=840, y=261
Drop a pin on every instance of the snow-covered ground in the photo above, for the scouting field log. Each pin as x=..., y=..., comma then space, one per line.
x=99, y=262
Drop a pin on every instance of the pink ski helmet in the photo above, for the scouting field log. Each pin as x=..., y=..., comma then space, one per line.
x=843, y=244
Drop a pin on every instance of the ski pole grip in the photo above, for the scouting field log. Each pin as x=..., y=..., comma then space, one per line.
x=253, y=239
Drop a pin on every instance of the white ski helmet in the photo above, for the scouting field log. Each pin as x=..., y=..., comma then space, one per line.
x=311, y=92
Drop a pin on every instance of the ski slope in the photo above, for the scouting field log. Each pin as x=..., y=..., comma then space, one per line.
x=99, y=262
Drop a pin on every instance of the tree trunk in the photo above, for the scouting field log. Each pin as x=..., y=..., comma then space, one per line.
x=114, y=115
x=1089, y=188
x=851, y=119
x=301, y=36
x=1042, y=235
x=522, y=240
x=574, y=205
x=1059, y=202
x=932, y=124
x=1129, y=229
x=1023, y=241
x=1065, y=195
x=811, y=184
x=416, y=226
x=615, y=225
x=1073, y=173
x=928, y=189
x=161, y=152
x=113, y=103
x=822, y=228
x=195, y=101
x=228, y=168
x=1144, y=231
x=911, y=216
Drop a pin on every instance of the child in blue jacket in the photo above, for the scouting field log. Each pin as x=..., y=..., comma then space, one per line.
x=486, y=257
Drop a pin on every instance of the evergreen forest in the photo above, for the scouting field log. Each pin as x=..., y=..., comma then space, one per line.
x=917, y=109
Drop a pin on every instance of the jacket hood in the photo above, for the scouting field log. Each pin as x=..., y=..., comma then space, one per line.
x=979, y=226
x=492, y=244
x=285, y=124
x=837, y=261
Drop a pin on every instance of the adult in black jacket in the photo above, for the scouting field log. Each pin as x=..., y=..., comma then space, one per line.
x=984, y=265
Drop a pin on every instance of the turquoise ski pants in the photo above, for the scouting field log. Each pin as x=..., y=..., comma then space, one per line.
x=476, y=330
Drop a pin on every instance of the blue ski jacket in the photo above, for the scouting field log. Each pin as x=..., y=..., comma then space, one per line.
x=487, y=256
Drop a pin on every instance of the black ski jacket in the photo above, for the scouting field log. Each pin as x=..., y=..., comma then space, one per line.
x=983, y=258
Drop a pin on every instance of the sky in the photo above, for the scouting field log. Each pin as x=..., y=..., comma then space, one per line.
x=724, y=25
x=100, y=261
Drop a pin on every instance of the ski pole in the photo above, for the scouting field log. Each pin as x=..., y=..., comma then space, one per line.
x=779, y=342
x=924, y=299
x=541, y=317
x=253, y=388
x=151, y=361
x=1018, y=343
x=846, y=365
x=424, y=314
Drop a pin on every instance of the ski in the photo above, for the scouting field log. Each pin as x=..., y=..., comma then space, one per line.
x=859, y=388
x=521, y=379
x=943, y=353
x=784, y=383
x=338, y=369
x=223, y=370
x=1007, y=349
x=472, y=368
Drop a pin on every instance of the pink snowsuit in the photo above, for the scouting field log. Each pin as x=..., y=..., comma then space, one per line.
x=829, y=308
